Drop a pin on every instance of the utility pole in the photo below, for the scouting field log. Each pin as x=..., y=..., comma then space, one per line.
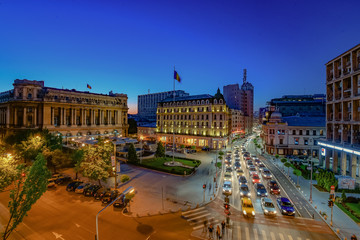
x=116, y=183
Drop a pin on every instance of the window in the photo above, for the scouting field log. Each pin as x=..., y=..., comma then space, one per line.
x=307, y=132
x=296, y=141
x=29, y=96
x=207, y=117
x=221, y=117
x=300, y=132
x=281, y=141
x=321, y=132
x=306, y=142
x=294, y=132
x=214, y=117
x=314, y=132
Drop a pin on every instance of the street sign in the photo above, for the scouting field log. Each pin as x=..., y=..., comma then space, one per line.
x=332, y=190
x=113, y=161
x=308, y=168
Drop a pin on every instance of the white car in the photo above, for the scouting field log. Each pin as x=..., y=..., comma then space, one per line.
x=227, y=176
x=227, y=189
x=268, y=206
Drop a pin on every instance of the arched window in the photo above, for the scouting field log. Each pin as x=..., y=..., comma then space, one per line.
x=215, y=101
x=221, y=101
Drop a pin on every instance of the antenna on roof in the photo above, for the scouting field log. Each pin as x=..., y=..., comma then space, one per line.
x=244, y=78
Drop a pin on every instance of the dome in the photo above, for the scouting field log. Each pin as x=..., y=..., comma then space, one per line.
x=275, y=117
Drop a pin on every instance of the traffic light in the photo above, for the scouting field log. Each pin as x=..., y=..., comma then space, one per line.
x=330, y=203
x=227, y=206
x=204, y=186
x=23, y=174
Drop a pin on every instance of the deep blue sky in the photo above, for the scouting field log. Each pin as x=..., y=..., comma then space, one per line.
x=132, y=46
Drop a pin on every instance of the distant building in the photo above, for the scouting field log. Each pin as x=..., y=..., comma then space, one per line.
x=147, y=132
x=200, y=121
x=291, y=105
x=31, y=105
x=237, y=122
x=147, y=103
x=342, y=144
x=232, y=95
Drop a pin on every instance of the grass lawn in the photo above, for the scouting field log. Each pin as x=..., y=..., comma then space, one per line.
x=348, y=213
x=158, y=164
x=354, y=206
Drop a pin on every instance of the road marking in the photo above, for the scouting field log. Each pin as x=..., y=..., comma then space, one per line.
x=272, y=236
x=281, y=236
x=247, y=233
x=263, y=234
x=256, y=234
x=239, y=232
x=299, y=238
x=195, y=210
x=300, y=223
x=57, y=235
x=193, y=214
x=290, y=237
x=204, y=215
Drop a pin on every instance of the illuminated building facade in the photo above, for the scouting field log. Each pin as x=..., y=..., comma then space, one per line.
x=31, y=105
x=200, y=121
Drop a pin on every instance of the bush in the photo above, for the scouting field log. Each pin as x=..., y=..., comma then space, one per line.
x=343, y=196
x=350, y=199
x=124, y=178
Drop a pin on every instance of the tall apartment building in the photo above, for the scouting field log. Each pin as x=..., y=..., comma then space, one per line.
x=31, y=105
x=147, y=103
x=241, y=99
x=342, y=143
x=237, y=122
x=199, y=120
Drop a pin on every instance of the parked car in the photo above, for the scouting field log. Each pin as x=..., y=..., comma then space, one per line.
x=247, y=207
x=274, y=187
x=73, y=185
x=89, y=192
x=110, y=196
x=205, y=149
x=51, y=183
x=268, y=206
x=63, y=179
x=227, y=189
x=82, y=187
x=260, y=190
x=99, y=194
x=120, y=201
x=244, y=191
x=285, y=206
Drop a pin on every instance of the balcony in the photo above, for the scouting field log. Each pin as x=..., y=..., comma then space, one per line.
x=338, y=95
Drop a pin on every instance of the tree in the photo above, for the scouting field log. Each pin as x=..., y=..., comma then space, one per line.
x=8, y=172
x=54, y=158
x=96, y=164
x=27, y=190
x=221, y=153
x=343, y=196
x=283, y=160
x=288, y=165
x=160, y=150
x=124, y=178
x=132, y=157
x=277, y=156
x=77, y=157
x=298, y=173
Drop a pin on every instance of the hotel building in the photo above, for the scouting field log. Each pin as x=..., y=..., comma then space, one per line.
x=342, y=145
x=31, y=105
x=199, y=120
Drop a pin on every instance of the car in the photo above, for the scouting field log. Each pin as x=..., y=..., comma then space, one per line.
x=120, y=202
x=63, y=180
x=228, y=169
x=51, y=183
x=257, y=162
x=82, y=187
x=260, y=190
x=252, y=155
x=242, y=180
x=261, y=166
x=205, y=149
x=227, y=176
x=255, y=178
x=244, y=191
x=89, y=192
x=73, y=185
x=99, y=194
x=227, y=189
x=268, y=206
x=274, y=187
x=249, y=163
x=285, y=206
x=266, y=173
x=110, y=196
x=252, y=170
x=247, y=207
x=239, y=172
x=237, y=165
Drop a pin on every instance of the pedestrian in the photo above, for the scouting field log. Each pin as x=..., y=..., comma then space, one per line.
x=211, y=229
x=205, y=226
x=223, y=227
x=218, y=232
x=353, y=237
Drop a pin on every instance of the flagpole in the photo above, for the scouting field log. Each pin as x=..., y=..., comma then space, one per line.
x=174, y=122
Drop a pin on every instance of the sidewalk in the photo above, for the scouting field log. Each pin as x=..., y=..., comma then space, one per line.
x=341, y=221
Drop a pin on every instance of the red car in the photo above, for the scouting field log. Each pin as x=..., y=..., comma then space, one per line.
x=255, y=178
x=274, y=187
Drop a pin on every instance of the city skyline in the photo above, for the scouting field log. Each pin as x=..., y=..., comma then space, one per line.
x=131, y=47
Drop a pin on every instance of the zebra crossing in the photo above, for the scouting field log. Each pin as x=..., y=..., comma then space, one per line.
x=196, y=217
x=245, y=233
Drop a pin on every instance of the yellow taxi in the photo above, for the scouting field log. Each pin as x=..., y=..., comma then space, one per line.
x=247, y=207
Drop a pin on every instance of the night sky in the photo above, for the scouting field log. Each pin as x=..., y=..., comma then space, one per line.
x=132, y=46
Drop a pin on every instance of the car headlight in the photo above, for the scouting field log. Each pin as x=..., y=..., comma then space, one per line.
x=244, y=212
x=258, y=192
x=275, y=212
x=266, y=211
x=284, y=210
x=253, y=213
x=241, y=193
x=270, y=175
x=249, y=194
x=266, y=194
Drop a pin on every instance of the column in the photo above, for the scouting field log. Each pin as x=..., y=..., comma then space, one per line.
x=343, y=163
x=119, y=117
x=24, y=117
x=335, y=161
x=65, y=120
x=7, y=116
x=15, y=116
x=353, y=165
x=35, y=116
x=52, y=116
x=102, y=117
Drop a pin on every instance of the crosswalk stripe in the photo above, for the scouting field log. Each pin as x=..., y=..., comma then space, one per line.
x=194, y=210
x=204, y=215
x=299, y=238
x=209, y=220
x=200, y=225
x=272, y=236
x=239, y=232
x=263, y=234
x=281, y=236
x=193, y=214
x=247, y=233
x=290, y=237
x=256, y=234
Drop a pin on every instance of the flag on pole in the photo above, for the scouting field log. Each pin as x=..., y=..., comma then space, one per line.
x=88, y=86
x=176, y=76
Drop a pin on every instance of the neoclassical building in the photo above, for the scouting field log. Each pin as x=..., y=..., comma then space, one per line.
x=31, y=105
x=198, y=120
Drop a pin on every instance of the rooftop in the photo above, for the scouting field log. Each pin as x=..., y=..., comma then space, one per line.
x=305, y=121
x=188, y=98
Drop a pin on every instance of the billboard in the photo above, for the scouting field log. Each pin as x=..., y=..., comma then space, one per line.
x=346, y=182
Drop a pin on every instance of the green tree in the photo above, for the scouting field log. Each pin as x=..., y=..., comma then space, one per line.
x=132, y=157
x=27, y=190
x=54, y=158
x=96, y=164
x=221, y=153
x=297, y=172
x=288, y=165
x=283, y=160
x=343, y=196
x=124, y=178
x=8, y=171
x=77, y=157
x=277, y=156
x=160, y=150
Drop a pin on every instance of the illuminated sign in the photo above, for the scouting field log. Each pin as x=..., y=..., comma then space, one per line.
x=339, y=148
x=323, y=152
